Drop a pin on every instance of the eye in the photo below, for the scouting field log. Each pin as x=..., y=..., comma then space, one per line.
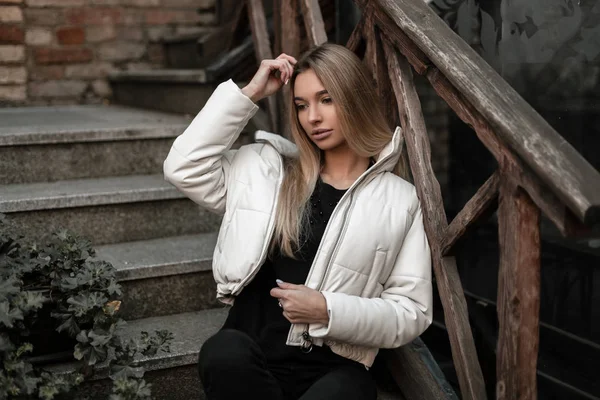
x=300, y=107
x=327, y=100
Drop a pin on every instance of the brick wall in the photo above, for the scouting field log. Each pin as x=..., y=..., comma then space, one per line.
x=60, y=51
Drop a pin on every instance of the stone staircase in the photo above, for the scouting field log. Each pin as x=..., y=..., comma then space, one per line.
x=97, y=170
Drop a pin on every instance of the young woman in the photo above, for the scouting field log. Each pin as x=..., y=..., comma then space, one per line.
x=322, y=252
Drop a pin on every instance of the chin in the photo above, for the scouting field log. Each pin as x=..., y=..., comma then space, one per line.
x=327, y=144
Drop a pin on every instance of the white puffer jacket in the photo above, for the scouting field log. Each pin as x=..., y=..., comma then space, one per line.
x=373, y=265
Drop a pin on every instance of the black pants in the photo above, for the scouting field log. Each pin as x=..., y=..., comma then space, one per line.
x=232, y=366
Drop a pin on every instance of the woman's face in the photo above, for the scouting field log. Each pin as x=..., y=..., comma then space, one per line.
x=316, y=111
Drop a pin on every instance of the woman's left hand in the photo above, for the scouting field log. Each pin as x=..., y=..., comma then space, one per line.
x=301, y=304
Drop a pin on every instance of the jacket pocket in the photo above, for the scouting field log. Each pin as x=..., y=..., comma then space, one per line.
x=381, y=268
x=373, y=287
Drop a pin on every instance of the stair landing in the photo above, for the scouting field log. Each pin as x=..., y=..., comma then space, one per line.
x=67, y=124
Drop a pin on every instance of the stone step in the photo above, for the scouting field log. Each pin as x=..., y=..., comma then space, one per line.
x=191, y=50
x=105, y=210
x=44, y=144
x=182, y=90
x=164, y=276
x=177, y=91
x=174, y=376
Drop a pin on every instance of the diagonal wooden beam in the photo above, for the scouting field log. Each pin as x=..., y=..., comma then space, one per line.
x=415, y=56
x=544, y=198
x=262, y=48
x=480, y=204
x=384, y=87
x=448, y=281
x=356, y=42
x=313, y=21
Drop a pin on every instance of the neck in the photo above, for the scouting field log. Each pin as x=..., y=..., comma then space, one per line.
x=342, y=167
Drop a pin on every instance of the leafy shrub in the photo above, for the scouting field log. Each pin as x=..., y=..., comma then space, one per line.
x=54, y=287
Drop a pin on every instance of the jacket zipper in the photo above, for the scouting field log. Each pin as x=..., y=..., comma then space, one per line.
x=307, y=343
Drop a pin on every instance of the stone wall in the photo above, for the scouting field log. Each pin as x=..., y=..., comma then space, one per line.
x=60, y=51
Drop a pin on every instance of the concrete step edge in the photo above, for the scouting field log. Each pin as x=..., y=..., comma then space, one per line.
x=190, y=331
x=85, y=192
x=92, y=123
x=162, y=75
x=160, y=257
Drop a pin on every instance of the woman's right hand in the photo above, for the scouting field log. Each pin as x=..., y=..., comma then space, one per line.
x=265, y=82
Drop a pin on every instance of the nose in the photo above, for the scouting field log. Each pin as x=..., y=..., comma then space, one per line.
x=314, y=114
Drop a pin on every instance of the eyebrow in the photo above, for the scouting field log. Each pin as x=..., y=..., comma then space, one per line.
x=320, y=93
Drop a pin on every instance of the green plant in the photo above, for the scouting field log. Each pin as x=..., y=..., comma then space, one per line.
x=54, y=286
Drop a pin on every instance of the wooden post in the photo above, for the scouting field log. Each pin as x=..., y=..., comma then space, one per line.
x=262, y=47
x=464, y=353
x=518, y=293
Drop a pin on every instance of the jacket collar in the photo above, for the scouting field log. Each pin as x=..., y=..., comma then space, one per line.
x=388, y=156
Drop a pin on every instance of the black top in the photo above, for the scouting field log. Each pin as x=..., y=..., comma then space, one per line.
x=258, y=314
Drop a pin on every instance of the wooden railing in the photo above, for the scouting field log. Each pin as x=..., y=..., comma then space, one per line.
x=537, y=170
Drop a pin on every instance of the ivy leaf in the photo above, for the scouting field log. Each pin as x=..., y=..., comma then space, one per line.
x=9, y=287
x=85, y=277
x=68, y=283
x=80, y=351
x=47, y=392
x=30, y=383
x=83, y=303
x=9, y=315
x=99, y=340
x=114, y=288
x=5, y=344
x=29, y=301
x=24, y=348
x=69, y=325
x=126, y=371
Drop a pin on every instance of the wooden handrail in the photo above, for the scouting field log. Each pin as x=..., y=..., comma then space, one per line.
x=568, y=175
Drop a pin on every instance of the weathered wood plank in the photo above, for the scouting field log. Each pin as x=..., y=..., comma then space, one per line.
x=370, y=59
x=290, y=44
x=390, y=30
x=262, y=48
x=356, y=41
x=313, y=21
x=428, y=189
x=277, y=26
x=290, y=38
x=552, y=207
x=479, y=205
x=518, y=293
x=384, y=87
x=417, y=374
x=518, y=125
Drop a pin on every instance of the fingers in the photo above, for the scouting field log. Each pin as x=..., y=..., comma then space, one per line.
x=277, y=293
x=288, y=65
x=289, y=286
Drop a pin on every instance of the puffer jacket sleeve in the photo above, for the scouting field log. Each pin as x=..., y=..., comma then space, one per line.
x=404, y=309
x=199, y=160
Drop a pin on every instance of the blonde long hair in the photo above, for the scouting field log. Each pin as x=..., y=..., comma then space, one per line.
x=361, y=122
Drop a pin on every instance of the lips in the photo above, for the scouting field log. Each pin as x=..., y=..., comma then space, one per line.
x=321, y=134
